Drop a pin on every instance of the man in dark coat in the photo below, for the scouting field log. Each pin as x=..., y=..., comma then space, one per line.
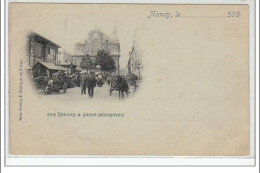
x=83, y=83
x=91, y=85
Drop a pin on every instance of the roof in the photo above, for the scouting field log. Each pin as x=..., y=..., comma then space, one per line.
x=68, y=64
x=64, y=63
x=80, y=43
x=77, y=56
x=50, y=66
x=62, y=68
x=36, y=34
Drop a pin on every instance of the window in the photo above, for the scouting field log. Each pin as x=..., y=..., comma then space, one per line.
x=38, y=50
x=49, y=50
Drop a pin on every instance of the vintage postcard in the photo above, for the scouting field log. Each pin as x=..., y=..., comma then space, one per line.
x=129, y=79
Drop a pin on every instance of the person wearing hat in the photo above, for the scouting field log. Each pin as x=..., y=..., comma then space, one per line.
x=92, y=82
x=83, y=83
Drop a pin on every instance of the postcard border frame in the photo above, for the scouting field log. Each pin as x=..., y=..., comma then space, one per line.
x=252, y=69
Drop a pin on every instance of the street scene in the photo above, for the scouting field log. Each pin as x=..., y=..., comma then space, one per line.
x=100, y=94
x=93, y=69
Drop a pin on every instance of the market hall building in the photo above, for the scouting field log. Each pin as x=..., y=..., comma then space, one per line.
x=42, y=55
x=98, y=41
x=40, y=49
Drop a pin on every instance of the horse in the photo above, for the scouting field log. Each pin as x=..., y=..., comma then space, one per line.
x=122, y=86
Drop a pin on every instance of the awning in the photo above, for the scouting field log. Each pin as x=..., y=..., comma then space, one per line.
x=51, y=66
x=62, y=68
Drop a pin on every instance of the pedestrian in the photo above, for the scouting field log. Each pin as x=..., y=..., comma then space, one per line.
x=108, y=79
x=83, y=83
x=78, y=80
x=91, y=85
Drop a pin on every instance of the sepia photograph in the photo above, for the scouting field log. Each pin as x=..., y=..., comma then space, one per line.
x=130, y=80
x=95, y=62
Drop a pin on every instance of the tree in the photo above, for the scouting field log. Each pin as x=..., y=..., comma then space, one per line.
x=105, y=61
x=86, y=62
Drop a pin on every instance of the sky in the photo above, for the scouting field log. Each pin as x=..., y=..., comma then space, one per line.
x=73, y=28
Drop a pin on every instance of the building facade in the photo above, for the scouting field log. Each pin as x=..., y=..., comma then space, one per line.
x=40, y=49
x=77, y=59
x=135, y=65
x=98, y=41
x=65, y=60
x=64, y=57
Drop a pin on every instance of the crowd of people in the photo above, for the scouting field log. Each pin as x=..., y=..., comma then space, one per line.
x=86, y=81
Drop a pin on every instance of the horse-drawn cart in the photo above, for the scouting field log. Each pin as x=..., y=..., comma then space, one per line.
x=119, y=83
x=113, y=85
x=57, y=83
x=49, y=85
x=126, y=84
